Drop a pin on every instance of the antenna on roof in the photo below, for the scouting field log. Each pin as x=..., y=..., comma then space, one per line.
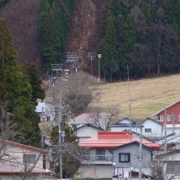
x=129, y=98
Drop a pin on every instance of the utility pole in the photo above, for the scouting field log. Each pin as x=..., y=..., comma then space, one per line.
x=58, y=120
x=172, y=116
x=3, y=68
x=60, y=152
x=99, y=68
x=165, y=132
x=129, y=99
x=140, y=153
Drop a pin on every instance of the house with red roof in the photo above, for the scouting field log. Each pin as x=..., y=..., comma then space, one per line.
x=98, y=161
x=19, y=161
x=169, y=116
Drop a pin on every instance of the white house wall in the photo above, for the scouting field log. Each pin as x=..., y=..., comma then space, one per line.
x=46, y=108
x=170, y=129
x=86, y=132
x=16, y=153
x=156, y=129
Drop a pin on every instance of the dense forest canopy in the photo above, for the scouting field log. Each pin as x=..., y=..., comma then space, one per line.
x=140, y=34
x=143, y=35
x=53, y=28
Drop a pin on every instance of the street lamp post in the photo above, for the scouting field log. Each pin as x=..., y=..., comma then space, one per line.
x=131, y=168
x=114, y=166
x=99, y=67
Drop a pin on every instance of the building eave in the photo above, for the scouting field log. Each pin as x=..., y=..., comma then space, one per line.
x=24, y=146
x=155, y=114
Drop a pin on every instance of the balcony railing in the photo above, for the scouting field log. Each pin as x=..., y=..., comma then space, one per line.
x=98, y=157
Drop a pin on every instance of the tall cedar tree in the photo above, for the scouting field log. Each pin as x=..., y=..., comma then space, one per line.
x=51, y=32
x=18, y=88
x=109, y=48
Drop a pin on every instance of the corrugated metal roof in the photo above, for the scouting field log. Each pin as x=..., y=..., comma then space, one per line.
x=114, y=139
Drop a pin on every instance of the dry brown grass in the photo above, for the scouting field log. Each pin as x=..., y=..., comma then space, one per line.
x=147, y=96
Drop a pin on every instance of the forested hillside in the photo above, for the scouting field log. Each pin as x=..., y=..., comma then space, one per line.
x=139, y=34
x=143, y=35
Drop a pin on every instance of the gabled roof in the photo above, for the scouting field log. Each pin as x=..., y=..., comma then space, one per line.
x=114, y=139
x=125, y=118
x=149, y=119
x=134, y=142
x=90, y=125
x=24, y=146
x=155, y=114
x=120, y=123
x=91, y=118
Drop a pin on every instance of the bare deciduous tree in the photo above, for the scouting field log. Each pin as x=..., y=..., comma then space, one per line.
x=103, y=120
x=74, y=92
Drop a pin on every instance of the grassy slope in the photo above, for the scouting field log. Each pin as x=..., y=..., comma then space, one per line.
x=147, y=96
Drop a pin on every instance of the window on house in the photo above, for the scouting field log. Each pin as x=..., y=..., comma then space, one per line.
x=161, y=118
x=86, y=154
x=124, y=157
x=178, y=117
x=48, y=118
x=169, y=118
x=29, y=158
x=100, y=154
x=173, y=168
x=147, y=130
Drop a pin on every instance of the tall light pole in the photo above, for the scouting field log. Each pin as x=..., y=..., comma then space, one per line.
x=99, y=68
x=114, y=167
